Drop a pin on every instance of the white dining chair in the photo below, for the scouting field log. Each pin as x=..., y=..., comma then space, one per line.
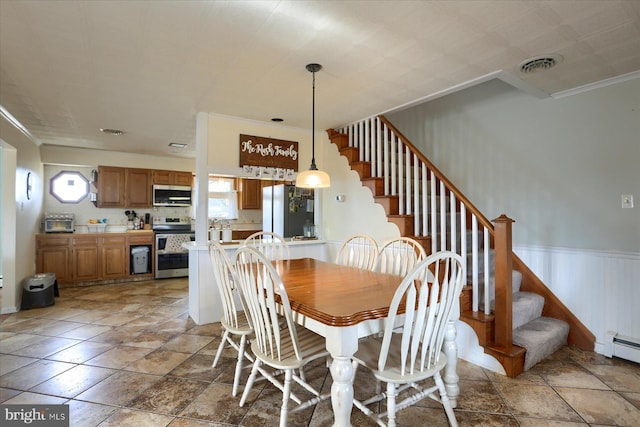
x=427, y=298
x=360, y=251
x=271, y=244
x=283, y=346
x=234, y=322
x=399, y=256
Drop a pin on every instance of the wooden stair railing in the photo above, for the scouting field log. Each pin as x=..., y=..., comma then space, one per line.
x=426, y=206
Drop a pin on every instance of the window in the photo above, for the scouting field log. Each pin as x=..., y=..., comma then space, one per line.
x=69, y=187
x=223, y=199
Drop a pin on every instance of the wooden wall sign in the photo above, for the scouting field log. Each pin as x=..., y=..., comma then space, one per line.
x=268, y=152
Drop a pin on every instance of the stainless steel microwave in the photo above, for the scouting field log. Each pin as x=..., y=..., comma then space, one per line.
x=171, y=195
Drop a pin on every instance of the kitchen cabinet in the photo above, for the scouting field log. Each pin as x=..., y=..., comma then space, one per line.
x=137, y=188
x=113, y=257
x=53, y=256
x=84, y=258
x=249, y=193
x=111, y=187
x=90, y=258
x=131, y=187
x=165, y=177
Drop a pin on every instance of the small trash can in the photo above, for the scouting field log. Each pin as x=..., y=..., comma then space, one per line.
x=139, y=260
x=39, y=291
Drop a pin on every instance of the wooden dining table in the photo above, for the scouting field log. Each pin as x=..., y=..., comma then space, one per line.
x=344, y=304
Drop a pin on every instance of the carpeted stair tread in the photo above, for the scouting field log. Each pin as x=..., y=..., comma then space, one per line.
x=527, y=306
x=541, y=337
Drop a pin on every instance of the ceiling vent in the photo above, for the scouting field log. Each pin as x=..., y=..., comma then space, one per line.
x=539, y=63
x=112, y=131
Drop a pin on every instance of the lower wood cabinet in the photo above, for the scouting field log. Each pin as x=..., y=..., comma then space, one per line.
x=53, y=255
x=113, y=257
x=86, y=258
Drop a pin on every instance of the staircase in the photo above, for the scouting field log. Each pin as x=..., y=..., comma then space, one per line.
x=516, y=317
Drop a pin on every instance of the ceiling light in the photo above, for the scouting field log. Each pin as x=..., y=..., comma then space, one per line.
x=313, y=178
x=112, y=131
x=539, y=63
x=177, y=145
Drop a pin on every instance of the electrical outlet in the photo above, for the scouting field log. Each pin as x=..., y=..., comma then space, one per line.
x=627, y=201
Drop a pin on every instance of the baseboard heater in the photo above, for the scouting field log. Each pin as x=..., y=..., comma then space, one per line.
x=624, y=347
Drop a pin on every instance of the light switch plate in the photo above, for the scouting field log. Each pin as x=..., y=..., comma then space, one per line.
x=627, y=201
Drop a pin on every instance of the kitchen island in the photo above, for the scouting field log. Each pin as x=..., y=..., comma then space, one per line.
x=204, y=299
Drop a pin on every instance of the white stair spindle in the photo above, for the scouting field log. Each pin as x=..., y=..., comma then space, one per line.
x=434, y=224
x=485, y=247
x=474, y=262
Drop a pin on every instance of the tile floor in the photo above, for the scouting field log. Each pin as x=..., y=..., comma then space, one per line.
x=129, y=355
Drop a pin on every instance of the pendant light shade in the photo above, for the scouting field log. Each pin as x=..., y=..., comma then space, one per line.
x=313, y=178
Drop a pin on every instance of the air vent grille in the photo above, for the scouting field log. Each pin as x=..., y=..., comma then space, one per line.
x=539, y=63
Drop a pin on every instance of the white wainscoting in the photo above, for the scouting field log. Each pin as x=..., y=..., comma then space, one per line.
x=602, y=288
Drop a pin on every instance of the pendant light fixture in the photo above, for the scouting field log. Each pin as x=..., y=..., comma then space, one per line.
x=313, y=178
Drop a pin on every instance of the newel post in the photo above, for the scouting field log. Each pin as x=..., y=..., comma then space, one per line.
x=504, y=289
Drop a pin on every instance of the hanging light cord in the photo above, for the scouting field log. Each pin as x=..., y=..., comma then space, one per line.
x=313, y=123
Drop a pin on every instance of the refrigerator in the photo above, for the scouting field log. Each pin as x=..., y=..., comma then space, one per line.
x=286, y=209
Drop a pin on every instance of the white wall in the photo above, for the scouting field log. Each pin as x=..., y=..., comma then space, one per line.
x=559, y=168
x=20, y=215
x=358, y=214
x=556, y=166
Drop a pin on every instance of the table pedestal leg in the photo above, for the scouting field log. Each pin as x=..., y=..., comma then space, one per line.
x=450, y=376
x=342, y=343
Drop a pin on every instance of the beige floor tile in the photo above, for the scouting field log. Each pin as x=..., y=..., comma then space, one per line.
x=211, y=330
x=74, y=381
x=87, y=414
x=536, y=401
x=117, y=319
x=148, y=339
x=119, y=389
x=33, y=374
x=7, y=393
x=84, y=332
x=601, y=407
x=46, y=346
x=89, y=316
x=119, y=357
x=186, y=422
x=116, y=336
x=477, y=396
x=186, y=343
x=216, y=404
x=30, y=398
x=198, y=367
x=158, y=362
x=634, y=398
x=18, y=341
x=81, y=352
x=569, y=374
x=620, y=377
x=131, y=418
x=537, y=422
x=9, y=362
x=169, y=395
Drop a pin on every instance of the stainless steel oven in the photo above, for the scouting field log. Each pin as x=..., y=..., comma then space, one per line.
x=171, y=259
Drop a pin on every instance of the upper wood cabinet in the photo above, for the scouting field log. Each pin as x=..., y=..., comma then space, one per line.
x=131, y=187
x=249, y=193
x=111, y=187
x=137, y=188
x=165, y=177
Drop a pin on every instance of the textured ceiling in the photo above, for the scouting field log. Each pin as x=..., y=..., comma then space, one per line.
x=69, y=68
